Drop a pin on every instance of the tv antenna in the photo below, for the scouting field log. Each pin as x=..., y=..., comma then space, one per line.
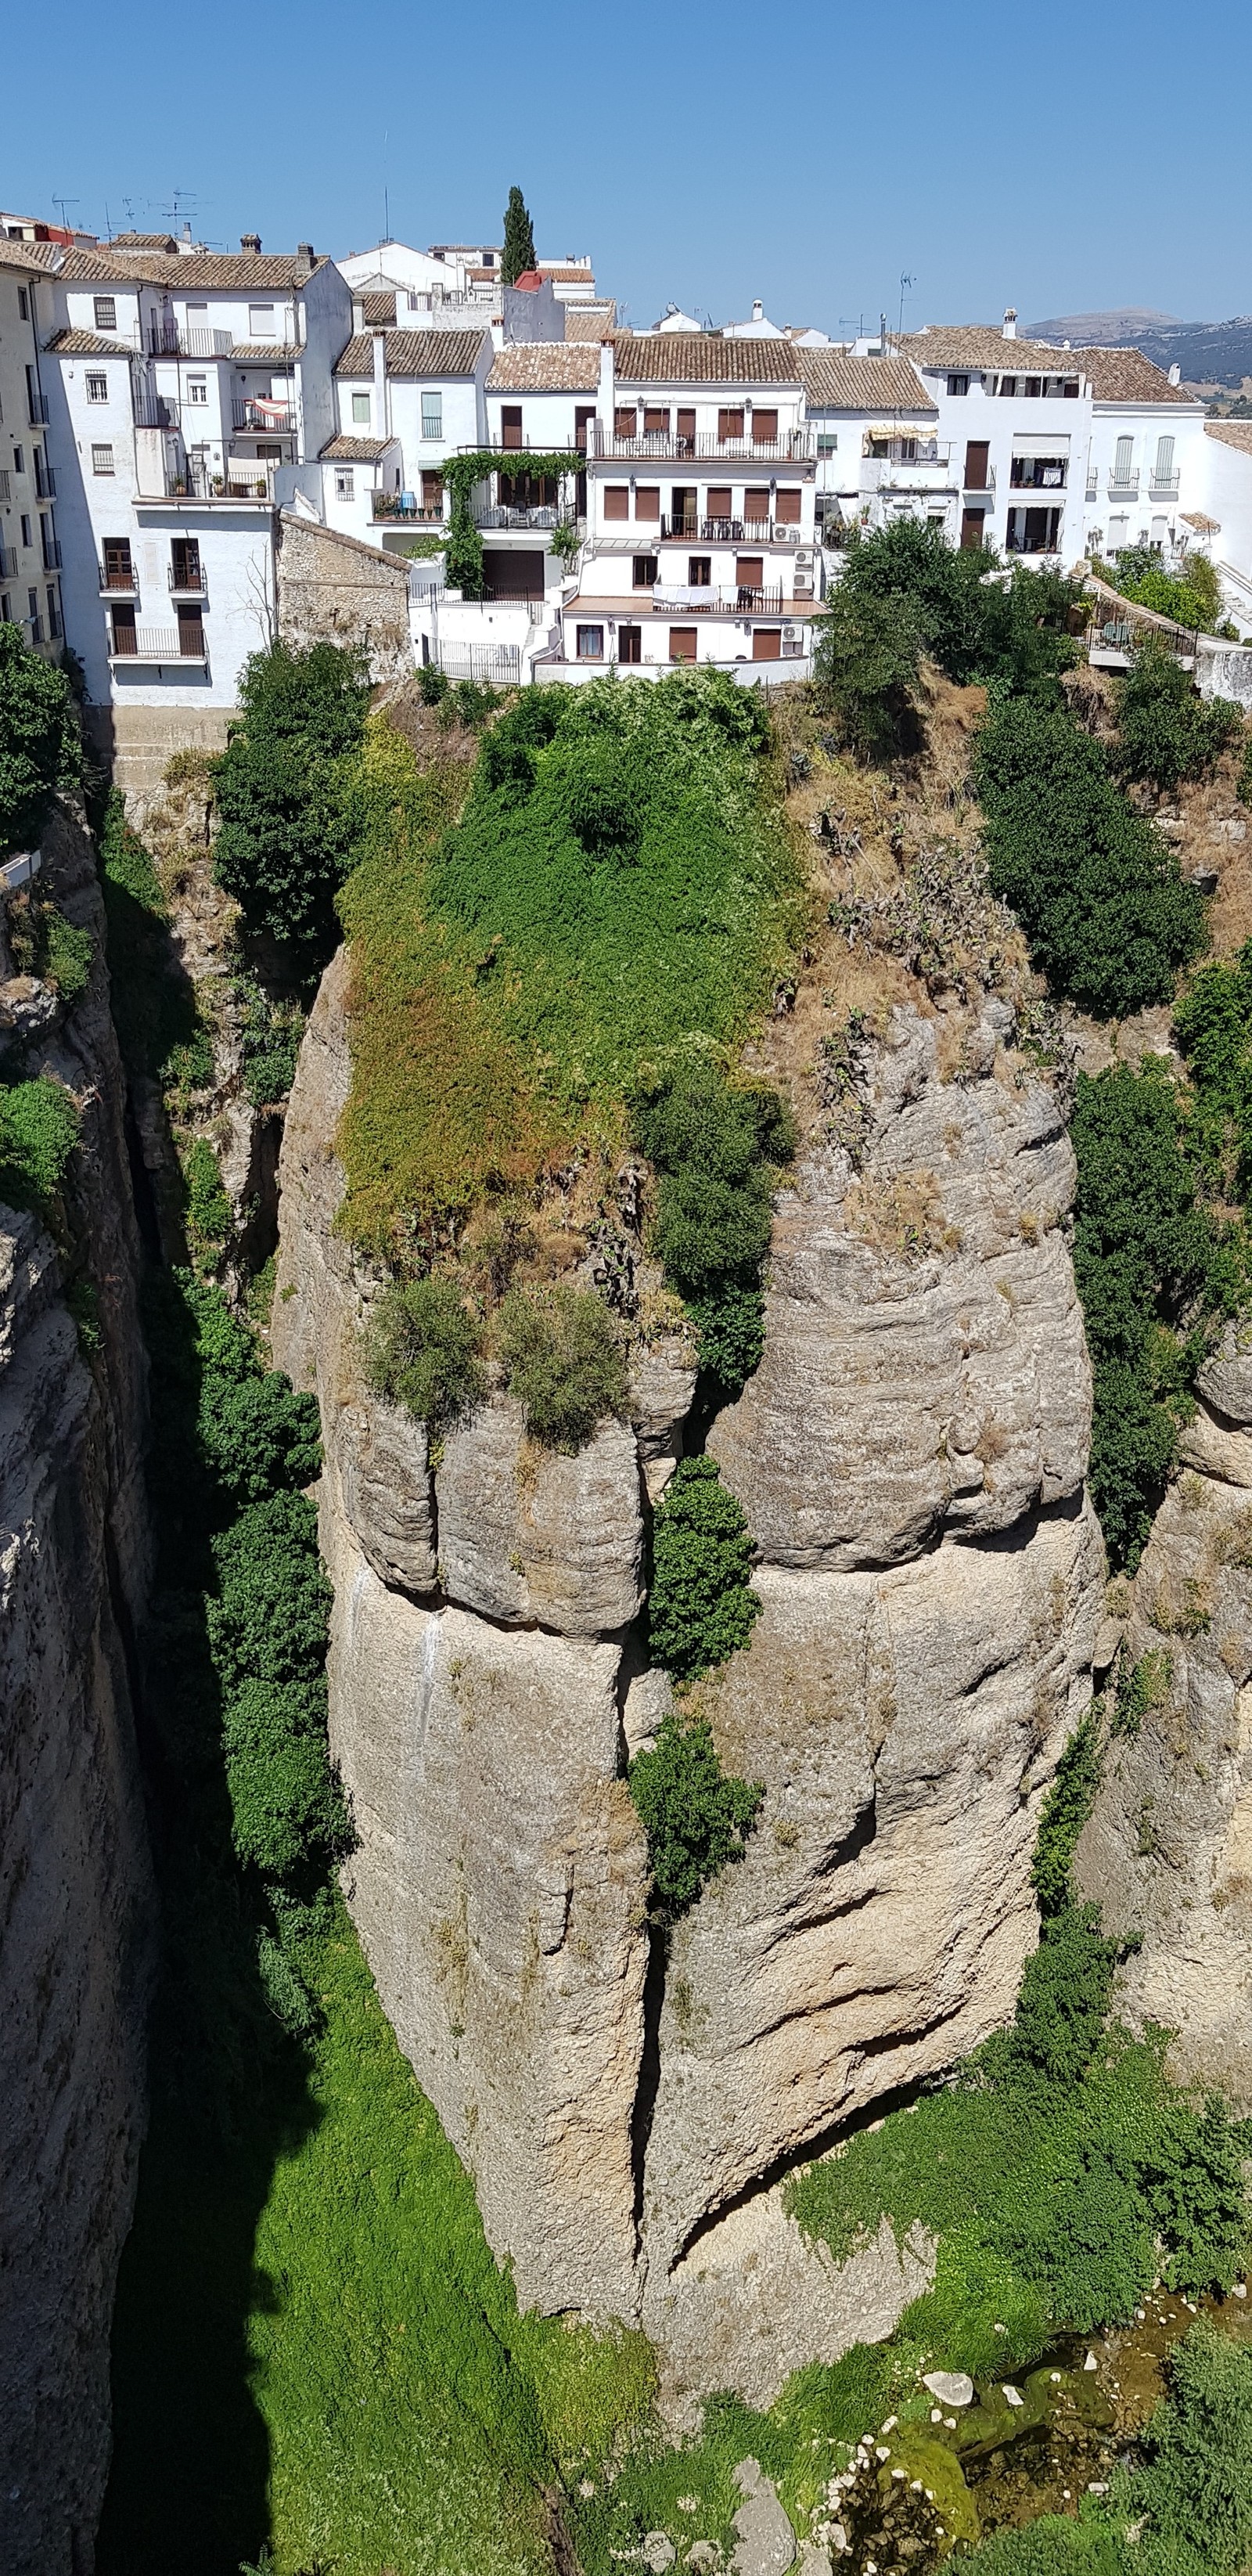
x=63, y=202
x=905, y=282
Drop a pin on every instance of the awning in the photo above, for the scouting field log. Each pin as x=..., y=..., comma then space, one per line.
x=1052, y=442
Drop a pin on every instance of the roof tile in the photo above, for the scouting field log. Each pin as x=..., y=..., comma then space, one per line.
x=429, y=355
x=547, y=367
x=674, y=358
x=835, y=382
x=355, y=451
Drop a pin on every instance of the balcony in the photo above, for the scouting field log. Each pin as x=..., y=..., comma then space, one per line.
x=165, y=340
x=903, y=463
x=155, y=411
x=794, y=447
x=188, y=582
x=1039, y=473
x=248, y=481
x=405, y=505
x=983, y=491
x=733, y=532
x=258, y=413
x=37, y=410
x=51, y=554
x=1163, y=487
x=1123, y=482
x=156, y=644
x=695, y=602
x=118, y=581
x=8, y=563
x=544, y=514
x=45, y=481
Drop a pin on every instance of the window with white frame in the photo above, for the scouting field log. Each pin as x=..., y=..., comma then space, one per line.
x=361, y=409
x=1164, y=460
x=345, y=484
x=97, y=388
x=102, y=460
x=958, y=384
x=589, y=643
x=197, y=389
x=828, y=442
x=105, y=307
x=432, y=415
x=261, y=322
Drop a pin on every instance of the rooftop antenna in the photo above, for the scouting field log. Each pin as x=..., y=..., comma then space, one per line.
x=905, y=282
x=386, y=193
x=63, y=202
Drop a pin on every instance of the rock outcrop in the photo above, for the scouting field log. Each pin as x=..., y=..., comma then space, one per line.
x=76, y=1920
x=911, y=1456
x=1168, y=1851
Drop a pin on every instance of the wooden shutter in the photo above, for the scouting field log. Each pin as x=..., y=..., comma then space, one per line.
x=682, y=643
x=190, y=632
x=977, y=452
x=764, y=427
x=718, y=500
x=117, y=571
x=432, y=489
x=647, y=501
x=750, y=572
x=655, y=421
x=787, y=509
x=511, y=425
x=124, y=637
x=625, y=422
x=729, y=424
x=767, y=644
x=686, y=426
x=616, y=501
x=756, y=507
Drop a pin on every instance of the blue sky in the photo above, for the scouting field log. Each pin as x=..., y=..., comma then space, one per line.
x=1062, y=158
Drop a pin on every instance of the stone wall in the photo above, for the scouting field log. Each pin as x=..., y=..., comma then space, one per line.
x=334, y=590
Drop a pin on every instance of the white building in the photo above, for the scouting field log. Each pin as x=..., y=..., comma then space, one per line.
x=30, y=545
x=875, y=432
x=404, y=400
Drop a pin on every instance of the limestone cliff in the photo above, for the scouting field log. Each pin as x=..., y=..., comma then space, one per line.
x=911, y=1457
x=75, y=1923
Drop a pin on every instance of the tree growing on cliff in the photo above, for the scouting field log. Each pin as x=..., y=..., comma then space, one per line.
x=694, y=1815
x=701, y=1607
x=39, y=748
x=282, y=787
x=519, y=239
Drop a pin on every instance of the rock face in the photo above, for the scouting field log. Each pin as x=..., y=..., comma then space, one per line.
x=73, y=1855
x=1168, y=1851
x=910, y=1455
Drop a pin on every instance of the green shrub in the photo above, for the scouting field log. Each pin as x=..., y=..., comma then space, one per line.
x=865, y=668
x=422, y=1351
x=1064, y=1998
x=38, y=1133
x=701, y=1606
x=283, y=794
x=269, y=1037
x=271, y=1618
x=253, y=1433
x=1099, y=895
x=1213, y=1028
x=64, y=953
x=694, y=1816
x=152, y=997
x=730, y=1323
x=288, y=1817
x=718, y=1147
x=1193, y=598
x=1140, y=1687
x=39, y=747
x=207, y=1214
x=1196, y=2488
x=563, y=1360
x=1166, y=730
x=1063, y=1814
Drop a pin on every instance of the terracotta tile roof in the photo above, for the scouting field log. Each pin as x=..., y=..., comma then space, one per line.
x=834, y=382
x=1200, y=521
x=144, y=241
x=266, y=353
x=184, y=275
x=1231, y=433
x=33, y=257
x=355, y=451
x=591, y=321
x=379, y=310
x=982, y=346
x=430, y=355
x=1125, y=375
x=545, y=367
x=672, y=358
x=86, y=344
x=567, y=274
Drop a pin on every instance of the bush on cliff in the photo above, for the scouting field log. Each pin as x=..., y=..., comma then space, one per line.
x=718, y=1147
x=563, y=1360
x=39, y=746
x=701, y=1606
x=285, y=825
x=422, y=1351
x=38, y=1133
x=1165, y=730
x=694, y=1815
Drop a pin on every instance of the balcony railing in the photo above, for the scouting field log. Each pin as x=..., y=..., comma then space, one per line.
x=119, y=581
x=155, y=411
x=1039, y=474
x=165, y=340
x=258, y=413
x=1163, y=487
x=52, y=554
x=1123, y=482
x=884, y=472
x=188, y=584
x=545, y=514
x=45, y=481
x=37, y=410
x=8, y=563
x=733, y=532
x=694, y=602
x=988, y=484
x=192, y=483
x=905, y=451
x=794, y=447
x=405, y=505
x=156, y=644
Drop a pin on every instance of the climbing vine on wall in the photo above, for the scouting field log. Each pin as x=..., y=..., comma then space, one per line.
x=461, y=474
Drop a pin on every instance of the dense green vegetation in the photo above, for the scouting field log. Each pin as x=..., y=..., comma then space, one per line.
x=694, y=1815
x=1213, y=1028
x=564, y=1361
x=422, y=1351
x=38, y=1133
x=1165, y=730
x=39, y=746
x=518, y=253
x=285, y=827
x=701, y=1606
x=1098, y=893
x=717, y=1147
x=1193, y=597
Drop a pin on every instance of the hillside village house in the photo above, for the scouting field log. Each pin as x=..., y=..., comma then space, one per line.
x=30, y=546
x=404, y=400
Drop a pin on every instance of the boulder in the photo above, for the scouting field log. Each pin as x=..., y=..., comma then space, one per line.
x=527, y=1534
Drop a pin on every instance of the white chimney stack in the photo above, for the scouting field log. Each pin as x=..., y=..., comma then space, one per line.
x=1010, y=322
x=1175, y=373
x=380, y=384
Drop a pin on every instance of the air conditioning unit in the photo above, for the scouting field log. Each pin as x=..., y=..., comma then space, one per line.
x=790, y=631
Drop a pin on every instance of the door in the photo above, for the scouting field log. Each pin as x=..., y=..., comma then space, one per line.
x=686, y=428
x=787, y=509
x=729, y=424
x=117, y=569
x=645, y=571
x=972, y=524
x=513, y=574
x=756, y=506
x=749, y=578
x=511, y=425
x=191, y=634
x=684, y=522
x=682, y=643
x=699, y=572
x=718, y=503
x=185, y=563
x=764, y=428
x=655, y=420
x=630, y=643
x=432, y=495
x=767, y=644
x=977, y=453
x=125, y=640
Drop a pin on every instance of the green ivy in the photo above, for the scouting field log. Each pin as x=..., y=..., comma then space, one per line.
x=464, y=545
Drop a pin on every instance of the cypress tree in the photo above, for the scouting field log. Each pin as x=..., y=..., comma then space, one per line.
x=519, y=239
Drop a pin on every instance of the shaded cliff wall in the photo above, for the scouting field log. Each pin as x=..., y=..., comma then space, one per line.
x=911, y=1457
x=75, y=1921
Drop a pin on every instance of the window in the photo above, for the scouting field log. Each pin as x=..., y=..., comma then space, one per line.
x=6, y=611
x=729, y=425
x=432, y=489
x=764, y=427
x=97, y=388
x=432, y=415
x=345, y=488
x=616, y=501
x=118, y=571
x=647, y=501
x=630, y=643
x=958, y=384
x=625, y=423
x=261, y=322
x=719, y=500
x=787, y=509
x=655, y=421
x=23, y=304
x=589, y=643
x=827, y=442
x=1121, y=462
x=102, y=460
x=197, y=389
x=645, y=571
x=749, y=573
x=105, y=307
x=1007, y=385
x=687, y=431
x=125, y=639
x=682, y=643
x=27, y=531
x=361, y=410
x=19, y=461
x=756, y=507
x=185, y=563
x=699, y=572
x=1164, y=460
x=767, y=644
x=510, y=424
x=54, y=614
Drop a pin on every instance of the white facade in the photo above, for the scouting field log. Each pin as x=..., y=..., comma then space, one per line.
x=30, y=543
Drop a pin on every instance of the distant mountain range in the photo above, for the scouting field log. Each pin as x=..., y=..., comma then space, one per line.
x=1210, y=354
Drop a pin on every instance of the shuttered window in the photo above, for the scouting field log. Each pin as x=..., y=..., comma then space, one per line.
x=750, y=572
x=655, y=421
x=756, y=507
x=511, y=425
x=616, y=501
x=729, y=424
x=625, y=423
x=787, y=509
x=686, y=426
x=719, y=501
x=647, y=501
x=764, y=426
x=767, y=644
x=682, y=643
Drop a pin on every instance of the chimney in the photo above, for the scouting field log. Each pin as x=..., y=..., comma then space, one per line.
x=358, y=315
x=1175, y=373
x=250, y=241
x=758, y=310
x=380, y=384
x=1010, y=322
x=304, y=255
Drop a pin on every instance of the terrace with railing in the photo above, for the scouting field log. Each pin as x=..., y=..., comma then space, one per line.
x=697, y=601
x=730, y=532
x=258, y=412
x=157, y=644
x=118, y=579
x=405, y=505
x=790, y=447
x=155, y=411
